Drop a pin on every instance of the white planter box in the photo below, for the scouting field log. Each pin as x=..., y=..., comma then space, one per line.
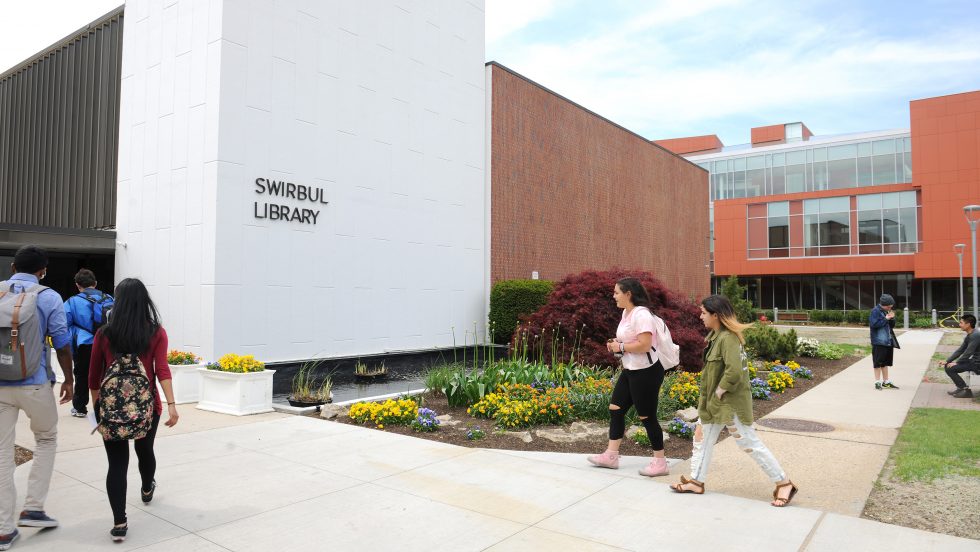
x=236, y=394
x=186, y=381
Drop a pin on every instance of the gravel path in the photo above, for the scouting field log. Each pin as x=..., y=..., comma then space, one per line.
x=950, y=505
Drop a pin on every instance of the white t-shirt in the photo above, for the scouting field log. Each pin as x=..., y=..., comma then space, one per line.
x=639, y=320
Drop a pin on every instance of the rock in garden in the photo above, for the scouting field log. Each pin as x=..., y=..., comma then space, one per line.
x=689, y=414
x=447, y=420
x=331, y=411
x=578, y=431
x=522, y=435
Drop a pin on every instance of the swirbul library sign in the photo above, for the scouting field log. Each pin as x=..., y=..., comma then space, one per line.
x=288, y=190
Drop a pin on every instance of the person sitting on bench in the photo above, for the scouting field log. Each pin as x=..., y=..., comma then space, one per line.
x=967, y=358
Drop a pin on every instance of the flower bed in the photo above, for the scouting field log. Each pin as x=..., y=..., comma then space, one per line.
x=468, y=429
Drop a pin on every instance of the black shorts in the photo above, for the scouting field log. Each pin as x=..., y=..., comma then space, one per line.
x=882, y=355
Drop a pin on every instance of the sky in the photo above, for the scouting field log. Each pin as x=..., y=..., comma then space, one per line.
x=670, y=68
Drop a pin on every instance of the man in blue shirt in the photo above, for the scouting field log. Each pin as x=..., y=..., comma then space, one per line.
x=80, y=313
x=34, y=395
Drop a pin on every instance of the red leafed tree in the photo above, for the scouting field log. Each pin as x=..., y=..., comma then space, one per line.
x=581, y=315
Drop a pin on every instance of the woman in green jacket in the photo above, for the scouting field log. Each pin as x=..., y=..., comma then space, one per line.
x=726, y=401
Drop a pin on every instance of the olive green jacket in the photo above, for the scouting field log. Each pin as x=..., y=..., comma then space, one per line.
x=724, y=366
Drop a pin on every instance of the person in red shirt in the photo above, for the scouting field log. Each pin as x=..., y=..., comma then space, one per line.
x=133, y=328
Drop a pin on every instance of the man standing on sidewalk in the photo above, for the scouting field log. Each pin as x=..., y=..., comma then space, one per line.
x=26, y=353
x=966, y=358
x=883, y=342
x=86, y=313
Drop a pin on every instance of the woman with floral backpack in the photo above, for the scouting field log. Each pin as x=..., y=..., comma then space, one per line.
x=129, y=355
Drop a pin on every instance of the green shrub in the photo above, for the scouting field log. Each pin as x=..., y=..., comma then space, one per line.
x=667, y=406
x=829, y=351
x=921, y=322
x=736, y=294
x=858, y=316
x=767, y=343
x=511, y=299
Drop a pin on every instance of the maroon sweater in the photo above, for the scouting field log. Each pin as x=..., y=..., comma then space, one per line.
x=154, y=359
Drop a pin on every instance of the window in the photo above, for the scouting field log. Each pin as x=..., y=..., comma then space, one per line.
x=779, y=229
x=803, y=169
x=887, y=223
x=827, y=223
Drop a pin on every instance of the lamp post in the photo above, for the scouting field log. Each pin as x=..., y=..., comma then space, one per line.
x=972, y=213
x=959, y=248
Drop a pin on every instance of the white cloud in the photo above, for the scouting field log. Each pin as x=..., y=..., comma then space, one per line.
x=650, y=76
x=508, y=16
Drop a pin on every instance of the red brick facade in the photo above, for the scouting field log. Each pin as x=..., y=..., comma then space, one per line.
x=572, y=191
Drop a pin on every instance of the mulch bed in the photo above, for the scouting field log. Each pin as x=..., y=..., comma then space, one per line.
x=674, y=447
x=22, y=455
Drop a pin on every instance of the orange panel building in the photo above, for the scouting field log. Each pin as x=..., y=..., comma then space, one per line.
x=831, y=222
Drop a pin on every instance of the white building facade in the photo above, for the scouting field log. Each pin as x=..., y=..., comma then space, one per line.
x=305, y=179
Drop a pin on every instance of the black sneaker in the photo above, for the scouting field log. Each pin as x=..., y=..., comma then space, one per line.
x=964, y=393
x=878, y=385
x=889, y=385
x=6, y=541
x=118, y=534
x=147, y=496
x=36, y=518
x=954, y=391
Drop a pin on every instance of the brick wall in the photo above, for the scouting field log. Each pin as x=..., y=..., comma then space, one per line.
x=572, y=191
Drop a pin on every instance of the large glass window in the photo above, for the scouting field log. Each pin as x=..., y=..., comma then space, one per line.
x=827, y=223
x=779, y=229
x=841, y=165
x=887, y=223
x=755, y=176
x=837, y=167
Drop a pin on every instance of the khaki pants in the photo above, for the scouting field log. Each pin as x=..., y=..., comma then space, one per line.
x=39, y=403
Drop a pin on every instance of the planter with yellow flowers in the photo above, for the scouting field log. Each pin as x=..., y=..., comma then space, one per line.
x=237, y=385
x=184, y=376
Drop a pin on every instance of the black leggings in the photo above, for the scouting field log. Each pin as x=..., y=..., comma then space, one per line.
x=640, y=389
x=115, y=479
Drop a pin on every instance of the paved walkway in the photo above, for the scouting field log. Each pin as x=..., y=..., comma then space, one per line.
x=300, y=483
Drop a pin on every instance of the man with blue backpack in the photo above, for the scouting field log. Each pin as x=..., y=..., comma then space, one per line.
x=86, y=312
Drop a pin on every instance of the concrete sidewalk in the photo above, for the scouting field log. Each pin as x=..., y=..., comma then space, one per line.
x=303, y=483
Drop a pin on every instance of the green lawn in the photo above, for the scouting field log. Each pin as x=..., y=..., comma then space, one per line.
x=851, y=349
x=936, y=442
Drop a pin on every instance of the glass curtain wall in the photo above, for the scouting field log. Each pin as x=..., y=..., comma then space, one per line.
x=835, y=167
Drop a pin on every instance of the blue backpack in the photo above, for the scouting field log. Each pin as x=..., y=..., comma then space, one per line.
x=101, y=306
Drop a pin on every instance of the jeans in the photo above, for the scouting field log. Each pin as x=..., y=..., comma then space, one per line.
x=641, y=390
x=954, y=371
x=39, y=403
x=746, y=439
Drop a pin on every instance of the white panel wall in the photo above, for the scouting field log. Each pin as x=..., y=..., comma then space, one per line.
x=378, y=102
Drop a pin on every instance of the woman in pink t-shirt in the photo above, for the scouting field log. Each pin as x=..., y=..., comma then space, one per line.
x=640, y=380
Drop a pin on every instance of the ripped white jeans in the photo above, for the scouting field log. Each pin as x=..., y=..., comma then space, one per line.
x=746, y=439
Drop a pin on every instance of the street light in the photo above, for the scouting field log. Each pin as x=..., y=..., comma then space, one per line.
x=958, y=248
x=972, y=213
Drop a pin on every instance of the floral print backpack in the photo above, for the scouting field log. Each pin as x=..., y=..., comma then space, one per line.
x=125, y=400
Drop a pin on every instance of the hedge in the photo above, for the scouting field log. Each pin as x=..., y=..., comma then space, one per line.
x=511, y=299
